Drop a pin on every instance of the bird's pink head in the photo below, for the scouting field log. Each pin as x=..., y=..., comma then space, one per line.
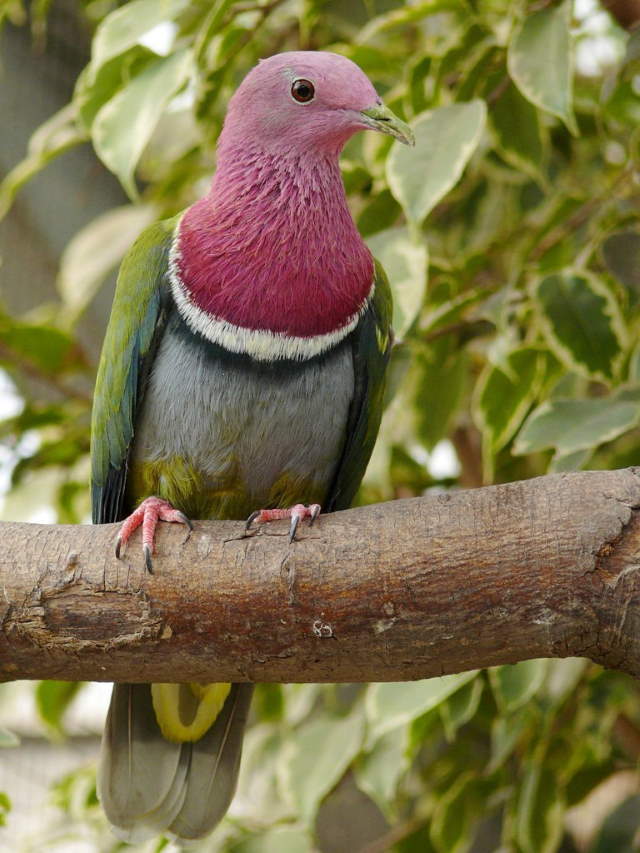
x=306, y=101
x=273, y=246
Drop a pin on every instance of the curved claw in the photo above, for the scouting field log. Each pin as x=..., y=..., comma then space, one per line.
x=148, y=562
x=185, y=520
x=295, y=519
x=147, y=515
x=295, y=513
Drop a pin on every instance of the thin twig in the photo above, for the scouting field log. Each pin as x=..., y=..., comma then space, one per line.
x=395, y=834
x=499, y=90
x=472, y=328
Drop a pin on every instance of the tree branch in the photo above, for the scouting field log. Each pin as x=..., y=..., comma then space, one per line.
x=402, y=590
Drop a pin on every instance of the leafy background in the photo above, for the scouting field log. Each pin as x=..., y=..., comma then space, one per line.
x=510, y=234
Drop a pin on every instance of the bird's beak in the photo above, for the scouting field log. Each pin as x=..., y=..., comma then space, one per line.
x=381, y=118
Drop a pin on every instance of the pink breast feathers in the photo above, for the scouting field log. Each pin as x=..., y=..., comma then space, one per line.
x=273, y=248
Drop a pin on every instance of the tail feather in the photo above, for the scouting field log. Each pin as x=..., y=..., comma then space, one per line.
x=141, y=777
x=149, y=785
x=213, y=773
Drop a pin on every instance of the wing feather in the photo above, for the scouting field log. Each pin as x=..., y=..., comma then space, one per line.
x=137, y=319
x=371, y=347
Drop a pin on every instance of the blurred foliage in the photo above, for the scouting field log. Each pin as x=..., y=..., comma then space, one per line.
x=511, y=237
x=5, y=806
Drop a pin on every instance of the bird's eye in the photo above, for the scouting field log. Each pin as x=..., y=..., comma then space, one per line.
x=302, y=91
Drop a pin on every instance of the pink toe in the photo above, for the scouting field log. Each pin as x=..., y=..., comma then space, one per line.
x=149, y=525
x=150, y=511
x=298, y=511
x=170, y=514
x=131, y=524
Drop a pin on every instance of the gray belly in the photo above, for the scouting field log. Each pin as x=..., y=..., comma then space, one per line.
x=245, y=435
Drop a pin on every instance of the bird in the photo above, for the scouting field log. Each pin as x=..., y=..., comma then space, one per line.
x=242, y=374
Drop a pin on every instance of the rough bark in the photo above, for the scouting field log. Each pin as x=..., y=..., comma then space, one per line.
x=403, y=590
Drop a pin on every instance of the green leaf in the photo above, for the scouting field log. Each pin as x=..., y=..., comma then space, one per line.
x=514, y=685
x=634, y=364
x=417, y=75
x=299, y=700
x=389, y=705
x=52, y=700
x=582, y=323
x=315, y=758
x=269, y=702
x=623, y=105
x=75, y=793
x=205, y=57
x=95, y=88
x=405, y=261
x=562, y=678
x=123, y=127
x=57, y=135
x=619, y=830
x=570, y=461
x=378, y=771
x=517, y=130
x=442, y=377
x=32, y=416
x=374, y=61
x=457, y=812
x=505, y=734
x=632, y=53
x=539, y=826
x=96, y=250
x=573, y=425
x=280, y=839
x=124, y=27
x=214, y=52
x=425, y=730
x=44, y=346
x=467, y=46
x=257, y=799
x=445, y=140
x=64, y=453
x=355, y=177
x=451, y=308
x=540, y=61
x=503, y=396
x=381, y=211
x=621, y=254
x=5, y=808
x=407, y=471
x=461, y=707
x=407, y=13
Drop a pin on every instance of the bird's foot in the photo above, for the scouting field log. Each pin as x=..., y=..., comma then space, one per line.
x=148, y=514
x=295, y=513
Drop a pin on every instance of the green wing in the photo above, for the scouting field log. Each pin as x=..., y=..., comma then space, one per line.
x=137, y=320
x=372, y=340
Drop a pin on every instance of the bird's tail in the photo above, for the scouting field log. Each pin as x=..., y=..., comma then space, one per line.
x=148, y=784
